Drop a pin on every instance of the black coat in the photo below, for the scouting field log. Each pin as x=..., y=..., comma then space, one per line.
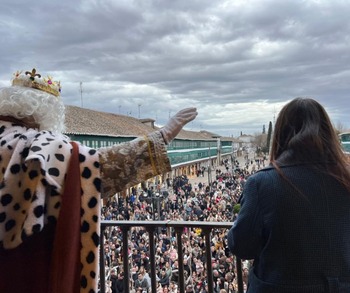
x=297, y=232
x=119, y=286
x=113, y=283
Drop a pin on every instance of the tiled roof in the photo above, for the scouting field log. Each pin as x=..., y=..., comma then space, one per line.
x=90, y=122
x=85, y=121
x=195, y=135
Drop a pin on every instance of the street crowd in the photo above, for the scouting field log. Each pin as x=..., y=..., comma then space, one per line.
x=177, y=199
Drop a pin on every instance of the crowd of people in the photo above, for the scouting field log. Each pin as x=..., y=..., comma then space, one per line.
x=293, y=221
x=183, y=201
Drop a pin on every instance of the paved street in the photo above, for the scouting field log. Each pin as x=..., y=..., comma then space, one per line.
x=204, y=179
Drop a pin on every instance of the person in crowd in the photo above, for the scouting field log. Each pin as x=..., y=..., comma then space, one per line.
x=141, y=283
x=134, y=272
x=173, y=287
x=145, y=260
x=145, y=274
x=113, y=278
x=119, y=284
x=164, y=279
x=51, y=187
x=294, y=220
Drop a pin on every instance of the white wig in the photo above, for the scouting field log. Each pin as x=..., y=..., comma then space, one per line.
x=22, y=102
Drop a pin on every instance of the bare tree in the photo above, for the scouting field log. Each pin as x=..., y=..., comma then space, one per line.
x=268, y=139
x=260, y=142
x=340, y=127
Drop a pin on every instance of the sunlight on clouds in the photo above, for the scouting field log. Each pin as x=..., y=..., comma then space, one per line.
x=189, y=44
x=4, y=83
x=93, y=5
x=7, y=25
x=89, y=5
x=118, y=90
x=259, y=112
x=141, y=89
x=318, y=1
x=236, y=4
x=264, y=48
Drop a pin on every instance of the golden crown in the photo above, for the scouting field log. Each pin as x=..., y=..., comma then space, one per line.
x=33, y=79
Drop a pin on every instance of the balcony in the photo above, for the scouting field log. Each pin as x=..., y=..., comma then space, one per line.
x=151, y=228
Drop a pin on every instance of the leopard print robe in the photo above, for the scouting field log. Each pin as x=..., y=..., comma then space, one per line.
x=33, y=169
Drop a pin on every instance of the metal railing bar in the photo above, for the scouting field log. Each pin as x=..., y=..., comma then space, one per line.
x=178, y=226
x=169, y=223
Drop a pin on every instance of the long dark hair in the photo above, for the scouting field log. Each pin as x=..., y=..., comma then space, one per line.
x=304, y=134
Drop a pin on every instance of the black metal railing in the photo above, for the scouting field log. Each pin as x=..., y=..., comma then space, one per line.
x=151, y=227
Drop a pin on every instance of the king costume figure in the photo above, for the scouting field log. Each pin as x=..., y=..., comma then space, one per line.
x=51, y=188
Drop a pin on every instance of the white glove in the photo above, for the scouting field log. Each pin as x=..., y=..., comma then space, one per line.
x=175, y=124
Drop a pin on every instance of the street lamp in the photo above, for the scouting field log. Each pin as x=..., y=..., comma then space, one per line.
x=209, y=169
x=209, y=177
x=233, y=163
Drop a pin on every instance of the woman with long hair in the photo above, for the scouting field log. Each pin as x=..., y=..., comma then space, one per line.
x=294, y=220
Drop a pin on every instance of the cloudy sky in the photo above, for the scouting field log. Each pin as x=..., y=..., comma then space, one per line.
x=237, y=61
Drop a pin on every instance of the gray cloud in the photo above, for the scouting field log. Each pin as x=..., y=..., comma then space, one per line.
x=237, y=61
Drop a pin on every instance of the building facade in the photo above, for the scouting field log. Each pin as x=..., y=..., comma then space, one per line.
x=188, y=152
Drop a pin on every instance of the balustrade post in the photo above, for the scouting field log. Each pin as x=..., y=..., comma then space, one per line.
x=181, y=285
x=102, y=262
x=126, y=268
x=207, y=234
x=152, y=258
x=239, y=275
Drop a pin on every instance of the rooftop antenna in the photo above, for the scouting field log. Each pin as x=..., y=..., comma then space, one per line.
x=139, y=105
x=81, y=94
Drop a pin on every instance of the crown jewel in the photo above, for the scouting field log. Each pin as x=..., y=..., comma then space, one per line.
x=33, y=79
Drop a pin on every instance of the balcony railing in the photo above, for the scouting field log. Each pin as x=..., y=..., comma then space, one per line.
x=151, y=227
